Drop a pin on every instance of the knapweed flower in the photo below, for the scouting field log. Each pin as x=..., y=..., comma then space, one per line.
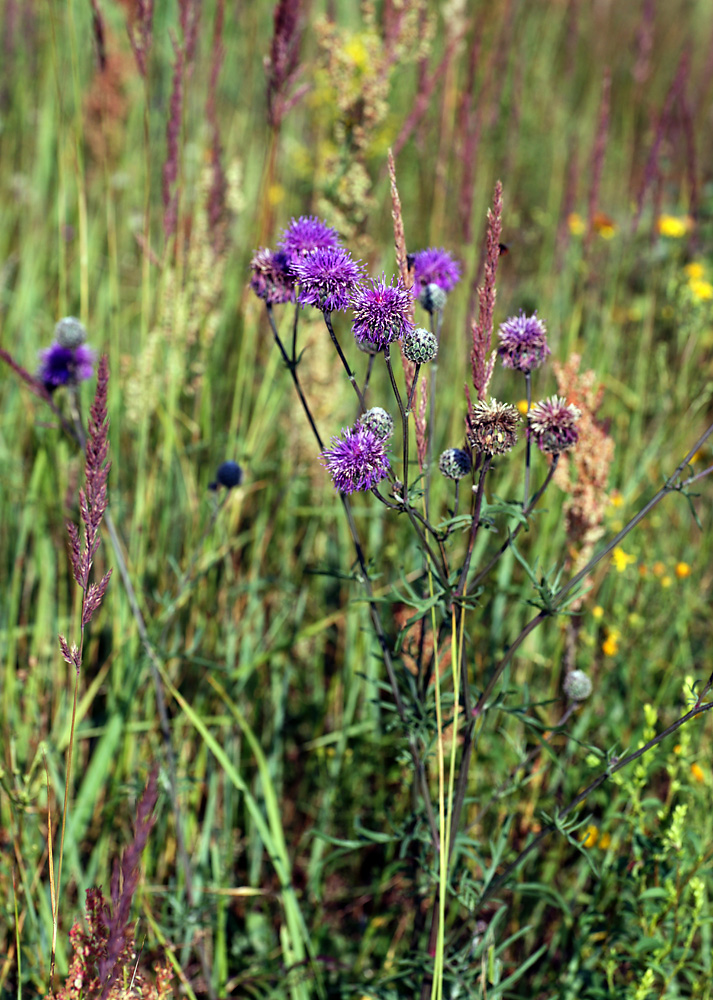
x=272, y=280
x=420, y=346
x=65, y=365
x=382, y=312
x=437, y=267
x=577, y=685
x=432, y=297
x=454, y=463
x=492, y=427
x=306, y=234
x=356, y=460
x=523, y=342
x=327, y=279
x=553, y=424
x=229, y=474
x=378, y=420
x=70, y=332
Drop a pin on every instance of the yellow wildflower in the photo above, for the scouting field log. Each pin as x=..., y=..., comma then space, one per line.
x=607, y=232
x=575, y=223
x=589, y=836
x=700, y=289
x=605, y=841
x=666, y=581
x=658, y=568
x=694, y=270
x=678, y=748
x=610, y=646
x=598, y=612
x=621, y=559
x=682, y=570
x=697, y=772
x=522, y=406
x=616, y=499
x=671, y=226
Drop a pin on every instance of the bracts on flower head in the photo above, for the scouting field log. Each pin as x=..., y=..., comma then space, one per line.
x=553, y=424
x=491, y=427
x=271, y=278
x=327, y=279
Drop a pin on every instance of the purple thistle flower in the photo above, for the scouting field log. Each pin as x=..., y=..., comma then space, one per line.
x=272, y=279
x=435, y=266
x=357, y=460
x=327, y=278
x=382, y=313
x=523, y=342
x=65, y=365
x=306, y=234
x=553, y=424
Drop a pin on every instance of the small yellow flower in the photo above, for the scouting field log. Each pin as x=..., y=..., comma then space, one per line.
x=658, y=568
x=598, y=612
x=607, y=232
x=621, y=559
x=575, y=223
x=522, y=406
x=694, y=270
x=671, y=226
x=697, y=772
x=701, y=290
x=610, y=646
x=275, y=194
x=589, y=836
x=605, y=841
x=682, y=570
x=643, y=570
x=666, y=581
x=616, y=499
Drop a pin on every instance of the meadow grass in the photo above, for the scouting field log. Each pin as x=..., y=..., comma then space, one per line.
x=308, y=869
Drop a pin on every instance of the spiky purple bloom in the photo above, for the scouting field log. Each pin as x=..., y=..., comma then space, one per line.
x=272, y=279
x=357, y=460
x=553, y=424
x=65, y=365
x=435, y=266
x=523, y=342
x=327, y=278
x=382, y=312
x=306, y=234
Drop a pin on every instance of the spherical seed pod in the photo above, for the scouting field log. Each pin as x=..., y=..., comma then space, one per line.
x=379, y=421
x=70, y=332
x=432, y=297
x=454, y=463
x=420, y=346
x=577, y=685
x=229, y=474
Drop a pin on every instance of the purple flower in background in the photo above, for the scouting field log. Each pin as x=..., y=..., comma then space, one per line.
x=272, y=279
x=382, y=313
x=523, y=342
x=327, y=279
x=357, y=460
x=65, y=365
x=553, y=424
x=435, y=267
x=306, y=234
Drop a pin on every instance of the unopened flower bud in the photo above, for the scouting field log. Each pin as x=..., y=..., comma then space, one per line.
x=454, y=463
x=69, y=332
x=577, y=685
x=420, y=346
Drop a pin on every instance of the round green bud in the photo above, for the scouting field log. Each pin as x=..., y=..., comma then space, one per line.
x=454, y=463
x=379, y=422
x=432, y=297
x=69, y=332
x=577, y=685
x=420, y=346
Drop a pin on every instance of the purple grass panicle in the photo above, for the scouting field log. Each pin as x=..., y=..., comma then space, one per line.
x=61, y=365
x=553, y=425
x=306, y=234
x=328, y=279
x=272, y=279
x=435, y=266
x=523, y=342
x=382, y=312
x=357, y=460
x=491, y=427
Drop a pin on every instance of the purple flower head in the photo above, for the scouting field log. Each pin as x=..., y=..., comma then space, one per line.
x=65, y=365
x=306, y=234
x=357, y=460
x=553, y=424
x=435, y=267
x=491, y=427
x=327, y=279
x=382, y=313
x=523, y=342
x=272, y=279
